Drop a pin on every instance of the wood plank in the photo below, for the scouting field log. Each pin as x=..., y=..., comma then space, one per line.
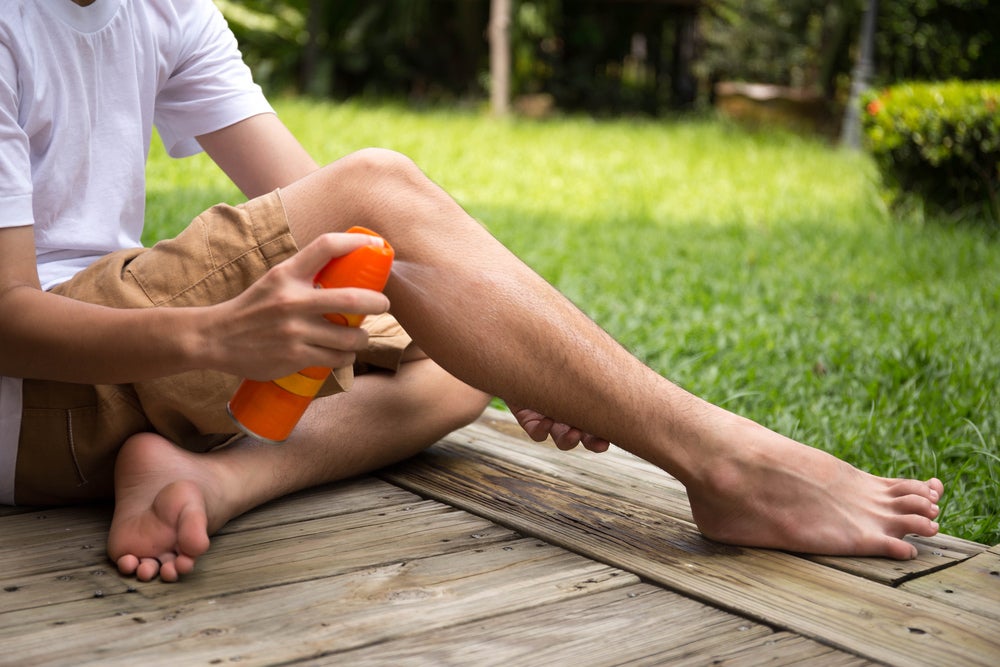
x=618, y=474
x=783, y=649
x=324, y=614
x=344, y=497
x=845, y=611
x=52, y=539
x=274, y=556
x=973, y=585
x=8, y=510
x=640, y=624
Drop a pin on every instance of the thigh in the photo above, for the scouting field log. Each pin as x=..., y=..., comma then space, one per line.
x=70, y=436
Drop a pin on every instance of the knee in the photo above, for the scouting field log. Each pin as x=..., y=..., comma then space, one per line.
x=469, y=404
x=385, y=171
x=456, y=402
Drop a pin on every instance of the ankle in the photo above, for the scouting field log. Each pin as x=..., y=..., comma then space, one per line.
x=718, y=457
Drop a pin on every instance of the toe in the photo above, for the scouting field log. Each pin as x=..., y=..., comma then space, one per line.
x=184, y=564
x=127, y=564
x=148, y=569
x=918, y=505
x=899, y=549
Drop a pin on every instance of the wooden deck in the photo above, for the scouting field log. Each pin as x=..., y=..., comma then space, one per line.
x=488, y=549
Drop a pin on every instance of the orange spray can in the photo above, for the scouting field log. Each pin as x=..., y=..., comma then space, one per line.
x=270, y=410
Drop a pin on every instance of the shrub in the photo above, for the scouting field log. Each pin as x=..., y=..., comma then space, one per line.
x=938, y=141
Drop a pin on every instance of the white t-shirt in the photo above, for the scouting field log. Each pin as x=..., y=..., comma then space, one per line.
x=80, y=91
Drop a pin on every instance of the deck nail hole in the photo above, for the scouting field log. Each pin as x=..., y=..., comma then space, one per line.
x=948, y=590
x=995, y=573
x=98, y=594
x=12, y=589
x=917, y=631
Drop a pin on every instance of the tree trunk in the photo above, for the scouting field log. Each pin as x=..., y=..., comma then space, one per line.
x=499, y=36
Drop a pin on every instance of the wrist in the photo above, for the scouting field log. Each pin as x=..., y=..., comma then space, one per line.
x=196, y=346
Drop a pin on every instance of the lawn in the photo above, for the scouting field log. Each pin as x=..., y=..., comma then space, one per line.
x=758, y=270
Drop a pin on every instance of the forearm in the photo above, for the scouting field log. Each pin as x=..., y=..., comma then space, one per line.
x=57, y=338
x=273, y=328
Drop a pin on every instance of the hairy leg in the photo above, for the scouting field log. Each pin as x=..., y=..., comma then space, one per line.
x=454, y=287
x=169, y=501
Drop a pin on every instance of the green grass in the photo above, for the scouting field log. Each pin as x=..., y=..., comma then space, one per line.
x=760, y=271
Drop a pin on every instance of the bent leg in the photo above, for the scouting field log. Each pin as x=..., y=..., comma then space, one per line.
x=492, y=322
x=168, y=501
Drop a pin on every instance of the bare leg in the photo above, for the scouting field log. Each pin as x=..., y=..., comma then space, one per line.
x=169, y=501
x=492, y=322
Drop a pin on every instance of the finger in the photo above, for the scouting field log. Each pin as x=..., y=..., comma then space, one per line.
x=309, y=260
x=350, y=300
x=595, y=444
x=535, y=424
x=538, y=429
x=334, y=337
x=565, y=436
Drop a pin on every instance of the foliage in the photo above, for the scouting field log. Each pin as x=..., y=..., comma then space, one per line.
x=786, y=42
x=758, y=270
x=399, y=48
x=938, y=39
x=940, y=141
x=602, y=56
x=812, y=42
x=272, y=35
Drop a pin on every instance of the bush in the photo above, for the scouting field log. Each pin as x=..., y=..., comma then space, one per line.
x=938, y=141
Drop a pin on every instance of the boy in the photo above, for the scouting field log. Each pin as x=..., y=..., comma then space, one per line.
x=126, y=356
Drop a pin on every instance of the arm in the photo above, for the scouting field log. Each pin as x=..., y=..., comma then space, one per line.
x=46, y=336
x=258, y=154
x=272, y=329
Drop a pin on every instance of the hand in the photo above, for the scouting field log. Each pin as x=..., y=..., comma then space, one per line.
x=539, y=427
x=276, y=326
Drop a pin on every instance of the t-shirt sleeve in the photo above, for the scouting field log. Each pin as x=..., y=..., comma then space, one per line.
x=210, y=86
x=15, y=164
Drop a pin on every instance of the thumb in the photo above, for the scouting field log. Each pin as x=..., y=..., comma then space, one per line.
x=310, y=259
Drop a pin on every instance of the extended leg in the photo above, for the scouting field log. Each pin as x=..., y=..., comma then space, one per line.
x=491, y=321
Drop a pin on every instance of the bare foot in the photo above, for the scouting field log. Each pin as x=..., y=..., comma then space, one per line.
x=162, y=520
x=785, y=495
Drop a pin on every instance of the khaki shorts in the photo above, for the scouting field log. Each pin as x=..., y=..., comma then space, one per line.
x=71, y=433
